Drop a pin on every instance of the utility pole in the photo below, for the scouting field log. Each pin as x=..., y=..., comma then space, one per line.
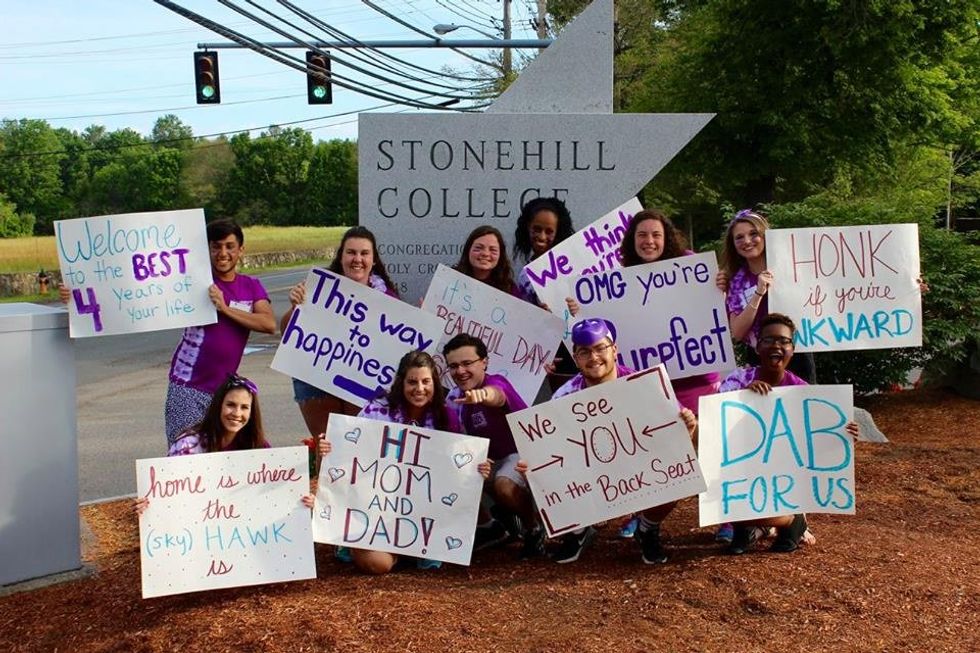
x=507, y=64
x=541, y=22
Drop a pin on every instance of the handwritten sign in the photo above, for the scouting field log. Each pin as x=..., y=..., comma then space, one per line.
x=224, y=520
x=609, y=450
x=347, y=338
x=776, y=454
x=521, y=339
x=668, y=312
x=402, y=489
x=592, y=249
x=848, y=287
x=135, y=272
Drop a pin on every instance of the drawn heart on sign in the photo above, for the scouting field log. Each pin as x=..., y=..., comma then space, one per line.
x=353, y=435
x=462, y=459
x=335, y=473
x=453, y=543
x=449, y=500
x=325, y=513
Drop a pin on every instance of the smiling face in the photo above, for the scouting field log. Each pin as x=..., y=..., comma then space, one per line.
x=224, y=256
x=236, y=409
x=649, y=240
x=419, y=387
x=357, y=259
x=466, y=367
x=542, y=229
x=484, y=255
x=775, y=349
x=748, y=240
x=598, y=362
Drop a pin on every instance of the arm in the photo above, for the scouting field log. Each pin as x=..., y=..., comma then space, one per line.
x=487, y=395
x=261, y=318
x=741, y=323
x=297, y=295
x=573, y=306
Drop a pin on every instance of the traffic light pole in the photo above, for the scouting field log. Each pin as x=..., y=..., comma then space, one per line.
x=492, y=44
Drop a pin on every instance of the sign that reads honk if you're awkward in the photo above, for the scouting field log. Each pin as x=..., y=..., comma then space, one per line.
x=135, y=272
x=521, y=339
x=224, y=519
x=403, y=489
x=606, y=451
x=776, y=454
x=848, y=287
x=347, y=338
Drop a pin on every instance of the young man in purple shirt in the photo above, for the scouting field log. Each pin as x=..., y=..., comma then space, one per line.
x=483, y=401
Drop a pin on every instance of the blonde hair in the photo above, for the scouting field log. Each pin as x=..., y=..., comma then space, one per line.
x=731, y=260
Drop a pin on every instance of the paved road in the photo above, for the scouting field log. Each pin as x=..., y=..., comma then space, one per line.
x=122, y=382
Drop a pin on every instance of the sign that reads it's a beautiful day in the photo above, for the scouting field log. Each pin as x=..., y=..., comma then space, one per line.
x=520, y=338
x=135, y=272
x=776, y=454
x=848, y=287
x=403, y=489
x=668, y=312
x=347, y=337
x=224, y=519
x=606, y=451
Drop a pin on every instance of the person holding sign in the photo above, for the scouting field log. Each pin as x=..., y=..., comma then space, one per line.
x=484, y=258
x=594, y=351
x=483, y=401
x=774, y=349
x=357, y=259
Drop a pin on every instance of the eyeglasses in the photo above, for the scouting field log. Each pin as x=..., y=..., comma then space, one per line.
x=586, y=353
x=235, y=381
x=776, y=340
x=464, y=364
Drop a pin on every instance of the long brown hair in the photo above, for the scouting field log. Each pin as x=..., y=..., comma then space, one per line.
x=210, y=429
x=731, y=260
x=378, y=268
x=674, y=242
x=396, y=394
x=502, y=275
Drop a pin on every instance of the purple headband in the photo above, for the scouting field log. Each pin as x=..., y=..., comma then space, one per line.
x=235, y=381
x=590, y=331
x=743, y=214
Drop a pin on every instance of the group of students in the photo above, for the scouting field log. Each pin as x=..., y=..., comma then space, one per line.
x=210, y=408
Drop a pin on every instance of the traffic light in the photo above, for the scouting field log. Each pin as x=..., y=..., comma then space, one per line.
x=206, y=77
x=318, y=90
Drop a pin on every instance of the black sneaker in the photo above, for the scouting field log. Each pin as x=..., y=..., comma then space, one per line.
x=653, y=550
x=490, y=535
x=788, y=537
x=533, y=544
x=570, y=546
x=509, y=520
x=741, y=539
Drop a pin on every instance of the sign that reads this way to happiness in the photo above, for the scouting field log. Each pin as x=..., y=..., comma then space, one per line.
x=776, y=454
x=347, y=338
x=135, y=272
x=609, y=450
x=848, y=287
x=224, y=520
x=520, y=338
x=406, y=490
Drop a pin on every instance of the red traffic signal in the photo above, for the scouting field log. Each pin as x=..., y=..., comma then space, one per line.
x=206, y=77
x=318, y=88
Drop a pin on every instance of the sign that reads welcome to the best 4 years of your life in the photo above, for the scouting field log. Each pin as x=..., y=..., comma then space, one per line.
x=776, y=454
x=224, y=519
x=135, y=272
x=606, y=451
x=347, y=338
x=848, y=287
x=520, y=338
x=402, y=489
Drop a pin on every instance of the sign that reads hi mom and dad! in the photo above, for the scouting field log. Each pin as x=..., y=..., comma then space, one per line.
x=402, y=489
x=606, y=451
x=520, y=338
x=224, y=519
x=848, y=287
x=347, y=338
x=776, y=454
x=135, y=272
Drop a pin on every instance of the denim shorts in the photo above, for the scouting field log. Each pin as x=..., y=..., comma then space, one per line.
x=303, y=391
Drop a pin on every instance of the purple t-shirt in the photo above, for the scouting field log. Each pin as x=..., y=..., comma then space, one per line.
x=741, y=290
x=379, y=409
x=191, y=443
x=207, y=354
x=489, y=421
x=577, y=382
x=743, y=376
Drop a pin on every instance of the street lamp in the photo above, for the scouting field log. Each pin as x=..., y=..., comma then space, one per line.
x=445, y=28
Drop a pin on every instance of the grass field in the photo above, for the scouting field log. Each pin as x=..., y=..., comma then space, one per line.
x=33, y=254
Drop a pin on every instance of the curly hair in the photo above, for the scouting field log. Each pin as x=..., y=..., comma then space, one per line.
x=210, y=429
x=731, y=260
x=523, y=251
x=502, y=275
x=396, y=394
x=675, y=244
x=378, y=268
x=778, y=318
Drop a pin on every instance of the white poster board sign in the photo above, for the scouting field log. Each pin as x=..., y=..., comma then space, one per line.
x=606, y=451
x=668, y=312
x=520, y=338
x=592, y=249
x=224, y=519
x=406, y=490
x=848, y=287
x=347, y=338
x=776, y=454
x=135, y=272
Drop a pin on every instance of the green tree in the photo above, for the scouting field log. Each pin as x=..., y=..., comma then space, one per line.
x=170, y=131
x=332, y=184
x=207, y=165
x=30, y=173
x=13, y=224
x=139, y=179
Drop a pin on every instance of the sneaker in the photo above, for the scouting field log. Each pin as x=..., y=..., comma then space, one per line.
x=808, y=537
x=788, y=537
x=725, y=533
x=490, y=535
x=628, y=529
x=343, y=554
x=425, y=563
x=510, y=521
x=533, y=544
x=742, y=539
x=653, y=550
x=571, y=545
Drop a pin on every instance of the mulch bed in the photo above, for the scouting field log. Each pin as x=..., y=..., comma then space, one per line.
x=901, y=575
